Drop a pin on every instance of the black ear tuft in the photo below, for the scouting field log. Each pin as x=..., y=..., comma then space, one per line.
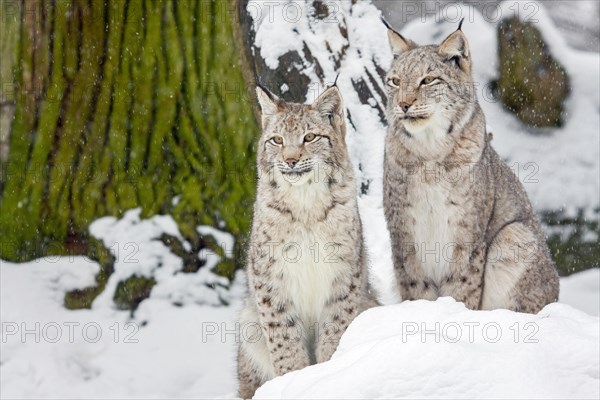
x=336, y=78
x=267, y=91
x=455, y=48
x=269, y=103
x=387, y=25
x=460, y=25
x=398, y=43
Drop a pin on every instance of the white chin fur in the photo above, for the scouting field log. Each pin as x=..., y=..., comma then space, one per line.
x=429, y=138
x=434, y=127
x=295, y=180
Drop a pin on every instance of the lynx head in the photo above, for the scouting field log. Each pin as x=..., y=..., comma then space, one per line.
x=301, y=141
x=430, y=92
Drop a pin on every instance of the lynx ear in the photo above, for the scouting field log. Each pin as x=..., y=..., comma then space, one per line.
x=455, y=48
x=331, y=106
x=269, y=103
x=398, y=43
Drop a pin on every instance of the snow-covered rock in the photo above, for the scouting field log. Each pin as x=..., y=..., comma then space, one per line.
x=136, y=245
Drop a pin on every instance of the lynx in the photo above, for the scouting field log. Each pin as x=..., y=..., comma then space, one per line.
x=306, y=264
x=460, y=221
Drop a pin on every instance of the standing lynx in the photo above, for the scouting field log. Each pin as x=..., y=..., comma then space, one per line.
x=459, y=219
x=307, y=269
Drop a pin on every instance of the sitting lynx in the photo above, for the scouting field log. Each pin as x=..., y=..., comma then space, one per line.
x=459, y=219
x=307, y=267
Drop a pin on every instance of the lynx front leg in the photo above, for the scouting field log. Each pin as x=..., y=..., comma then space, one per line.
x=416, y=287
x=287, y=349
x=336, y=318
x=331, y=329
x=465, y=281
x=412, y=282
x=281, y=329
x=249, y=377
x=285, y=337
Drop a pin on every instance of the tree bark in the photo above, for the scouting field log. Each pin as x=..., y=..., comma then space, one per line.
x=9, y=29
x=124, y=104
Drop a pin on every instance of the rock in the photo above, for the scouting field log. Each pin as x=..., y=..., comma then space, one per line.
x=532, y=84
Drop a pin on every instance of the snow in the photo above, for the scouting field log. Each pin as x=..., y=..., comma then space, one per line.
x=224, y=239
x=104, y=353
x=582, y=290
x=166, y=351
x=422, y=349
x=135, y=243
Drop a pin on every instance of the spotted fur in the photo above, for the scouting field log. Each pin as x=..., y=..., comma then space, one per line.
x=460, y=221
x=306, y=264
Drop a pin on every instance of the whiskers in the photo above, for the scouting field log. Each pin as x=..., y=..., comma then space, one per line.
x=300, y=168
x=416, y=112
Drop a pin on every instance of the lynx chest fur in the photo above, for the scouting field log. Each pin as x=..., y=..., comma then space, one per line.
x=307, y=247
x=435, y=230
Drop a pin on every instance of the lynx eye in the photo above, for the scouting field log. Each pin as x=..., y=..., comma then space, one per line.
x=309, y=137
x=276, y=140
x=394, y=82
x=427, y=80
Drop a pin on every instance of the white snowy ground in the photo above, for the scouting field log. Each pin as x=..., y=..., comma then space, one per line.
x=189, y=351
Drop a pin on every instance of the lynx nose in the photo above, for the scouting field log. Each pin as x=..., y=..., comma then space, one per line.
x=404, y=106
x=291, y=162
x=407, y=102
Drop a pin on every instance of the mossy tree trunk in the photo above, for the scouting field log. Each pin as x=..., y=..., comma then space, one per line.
x=124, y=104
x=9, y=30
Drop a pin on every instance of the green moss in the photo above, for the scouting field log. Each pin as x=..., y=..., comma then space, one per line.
x=132, y=291
x=203, y=244
x=83, y=298
x=574, y=242
x=532, y=84
x=189, y=258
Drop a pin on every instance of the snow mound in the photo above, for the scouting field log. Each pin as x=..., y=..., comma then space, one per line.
x=423, y=349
